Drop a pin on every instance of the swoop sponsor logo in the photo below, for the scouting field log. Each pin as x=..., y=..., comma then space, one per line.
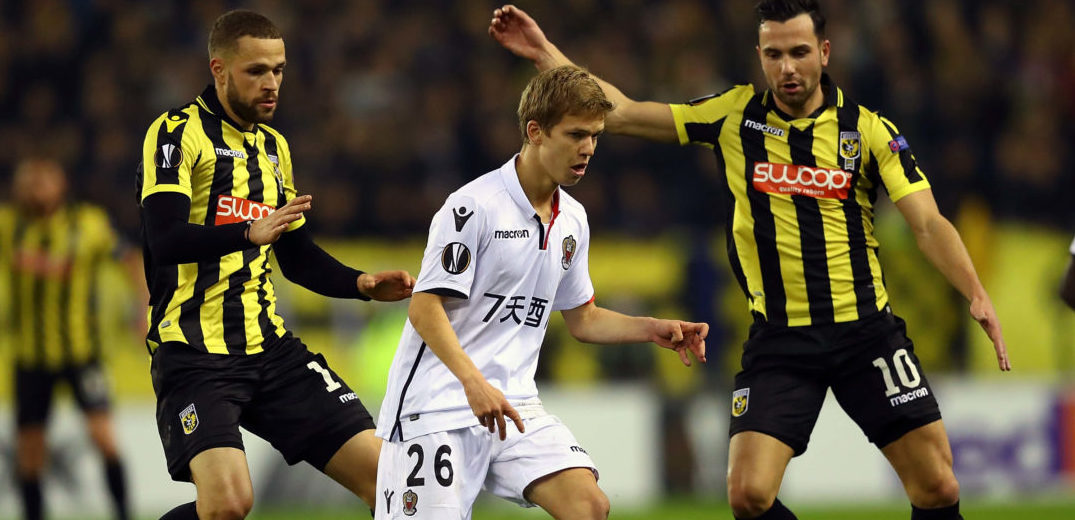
x=230, y=210
x=794, y=179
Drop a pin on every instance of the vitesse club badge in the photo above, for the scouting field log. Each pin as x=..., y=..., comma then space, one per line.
x=740, y=401
x=189, y=418
x=850, y=149
x=410, y=503
x=569, y=251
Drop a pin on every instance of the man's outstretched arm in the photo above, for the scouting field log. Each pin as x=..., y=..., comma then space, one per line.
x=519, y=33
x=592, y=324
x=940, y=242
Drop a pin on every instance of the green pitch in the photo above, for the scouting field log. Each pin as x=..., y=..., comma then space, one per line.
x=698, y=511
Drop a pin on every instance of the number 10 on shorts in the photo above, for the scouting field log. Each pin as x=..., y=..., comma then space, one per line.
x=908, y=375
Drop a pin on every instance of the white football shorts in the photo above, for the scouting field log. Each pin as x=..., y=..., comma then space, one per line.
x=438, y=476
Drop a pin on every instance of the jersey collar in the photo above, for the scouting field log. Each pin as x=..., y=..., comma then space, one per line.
x=510, y=177
x=211, y=104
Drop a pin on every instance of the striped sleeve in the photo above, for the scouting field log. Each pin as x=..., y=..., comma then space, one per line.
x=100, y=232
x=168, y=156
x=698, y=121
x=895, y=161
x=288, y=174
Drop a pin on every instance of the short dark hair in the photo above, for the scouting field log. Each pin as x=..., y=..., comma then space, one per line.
x=558, y=92
x=784, y=10
x=232, y=25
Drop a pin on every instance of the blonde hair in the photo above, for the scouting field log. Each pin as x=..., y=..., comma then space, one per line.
x=555, y=93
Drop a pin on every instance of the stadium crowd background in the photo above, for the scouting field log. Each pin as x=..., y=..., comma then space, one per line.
x=389, y=105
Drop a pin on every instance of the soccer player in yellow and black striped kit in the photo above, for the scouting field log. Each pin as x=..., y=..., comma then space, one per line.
x=52, y=252
x=217, y=192
x=803, y=165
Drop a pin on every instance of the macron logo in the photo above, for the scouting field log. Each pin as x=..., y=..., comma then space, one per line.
x=762, y=127
x=225, y=152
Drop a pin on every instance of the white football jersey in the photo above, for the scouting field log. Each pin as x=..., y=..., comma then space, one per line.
x=504, y=272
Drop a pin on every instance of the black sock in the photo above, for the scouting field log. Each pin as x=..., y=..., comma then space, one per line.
x=32, y=506
x=941, y=513
x=777, y=512
x=186, y=511
x=117, y=486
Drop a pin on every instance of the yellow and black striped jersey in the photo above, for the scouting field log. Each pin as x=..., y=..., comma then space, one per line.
x=226, y=305
x=802, y=194
x=52, y=266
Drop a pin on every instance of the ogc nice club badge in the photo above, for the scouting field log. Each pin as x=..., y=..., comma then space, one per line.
x=189, y=418
x=410, y=503
x=569, y=251
x=740, y=401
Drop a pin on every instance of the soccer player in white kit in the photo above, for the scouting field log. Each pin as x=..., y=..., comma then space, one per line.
x=503, y=252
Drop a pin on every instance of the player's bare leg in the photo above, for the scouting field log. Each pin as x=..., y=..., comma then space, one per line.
x=223, y=481
x=30, y=463
x=354, y=466
x=570, y=494
x=102, y=434
x=923, y=460
x=99, y=424
x=756, y=464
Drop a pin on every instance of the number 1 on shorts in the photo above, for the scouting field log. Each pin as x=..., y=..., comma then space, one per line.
x=330, y=384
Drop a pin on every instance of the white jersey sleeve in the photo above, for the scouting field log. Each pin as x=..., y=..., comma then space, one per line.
x=575, y=288
x=451, y=253
x=1072, y=248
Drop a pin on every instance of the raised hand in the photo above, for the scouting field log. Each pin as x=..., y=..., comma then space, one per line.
x=682, y=336
x=490, y=407
x=386, y=286
x=520, y=34
x=268, y=229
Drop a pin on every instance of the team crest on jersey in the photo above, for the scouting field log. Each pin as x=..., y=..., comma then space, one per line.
x=456, y=258
x=850, y=148
x=740, y=402
x=410, y=503
x=168, y=156
x=189, y=418
x=569, y=251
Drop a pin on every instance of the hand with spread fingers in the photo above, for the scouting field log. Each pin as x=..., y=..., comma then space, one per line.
x=268, y=229
x=491, y=407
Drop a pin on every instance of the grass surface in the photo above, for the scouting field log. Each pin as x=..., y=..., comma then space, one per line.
x=698, y=511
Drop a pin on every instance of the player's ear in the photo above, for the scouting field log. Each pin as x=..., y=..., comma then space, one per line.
x=825, y=48
x=218, y=68
x=533, y=132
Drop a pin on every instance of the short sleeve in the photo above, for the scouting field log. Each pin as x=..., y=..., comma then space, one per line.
x=575, y=287
x=168, y=156
x=453, y=249
x=895, y=162
x=698, y=121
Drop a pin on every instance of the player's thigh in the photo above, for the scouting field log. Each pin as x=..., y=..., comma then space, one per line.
x=547, y=447
x=756, y=465
x=434, y=476
x=222, y=478
x=881, y=384
x=354, y=465
x=305, y=410
x=780, y=396
x=199, y=401
x=569, y=493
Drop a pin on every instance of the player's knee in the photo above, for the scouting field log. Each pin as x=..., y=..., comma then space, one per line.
x=226, y=506
x=748, y=500
x=940, y=491
x=587, y=504
x=597, y=506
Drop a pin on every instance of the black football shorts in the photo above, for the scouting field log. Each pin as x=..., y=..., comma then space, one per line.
x=286, y=395
x=33, y=390
x=869, y=364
